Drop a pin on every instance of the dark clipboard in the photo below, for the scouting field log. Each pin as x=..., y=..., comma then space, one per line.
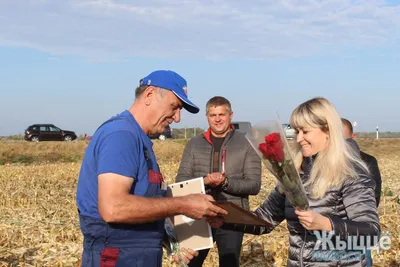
x=240, y=216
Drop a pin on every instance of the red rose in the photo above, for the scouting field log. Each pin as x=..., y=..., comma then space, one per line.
x=272, y=149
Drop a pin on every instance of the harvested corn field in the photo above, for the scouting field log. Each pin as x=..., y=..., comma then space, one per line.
x=38, y=218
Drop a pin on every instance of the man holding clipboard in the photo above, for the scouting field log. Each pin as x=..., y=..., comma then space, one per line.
x=231, y=170
x=121, y=192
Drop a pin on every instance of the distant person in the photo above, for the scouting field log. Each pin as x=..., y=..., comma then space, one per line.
x=371, y=161
x=231, y=169
x=121, y=192
x=88, y=138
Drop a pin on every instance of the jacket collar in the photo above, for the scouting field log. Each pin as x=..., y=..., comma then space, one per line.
x=307, y=164
x=207, y=135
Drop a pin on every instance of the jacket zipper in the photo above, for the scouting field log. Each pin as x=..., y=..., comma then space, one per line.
x=212, y=159
x=302, y=248
x=213, y=192
x=223, y=158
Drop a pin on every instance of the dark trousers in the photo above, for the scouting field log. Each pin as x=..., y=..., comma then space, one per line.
x=368, y=257
x=229, y=244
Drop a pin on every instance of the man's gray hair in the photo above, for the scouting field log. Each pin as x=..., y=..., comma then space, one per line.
x=140, y=90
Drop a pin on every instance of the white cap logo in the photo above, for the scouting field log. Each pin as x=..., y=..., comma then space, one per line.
x=185, y=90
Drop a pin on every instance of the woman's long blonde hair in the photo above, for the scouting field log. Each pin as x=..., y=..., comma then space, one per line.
x=338, y=161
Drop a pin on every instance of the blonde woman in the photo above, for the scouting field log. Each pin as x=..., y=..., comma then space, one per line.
x=341, y=195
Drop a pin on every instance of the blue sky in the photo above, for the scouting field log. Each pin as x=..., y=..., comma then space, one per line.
x=75, y=63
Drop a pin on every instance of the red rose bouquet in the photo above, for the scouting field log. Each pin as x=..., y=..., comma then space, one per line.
x=269, y=140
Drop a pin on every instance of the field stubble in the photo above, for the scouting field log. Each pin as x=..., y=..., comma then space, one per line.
x=38, y=217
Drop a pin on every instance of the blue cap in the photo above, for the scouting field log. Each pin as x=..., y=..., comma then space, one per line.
x=170, y=80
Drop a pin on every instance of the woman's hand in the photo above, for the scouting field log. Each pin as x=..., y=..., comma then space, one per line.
x=312, y=220
x=186, y=255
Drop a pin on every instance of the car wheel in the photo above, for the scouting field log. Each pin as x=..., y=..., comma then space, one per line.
x=161, y=137
x=68, y=138
x=35, y=138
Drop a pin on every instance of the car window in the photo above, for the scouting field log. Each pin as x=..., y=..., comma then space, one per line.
x=44, y=128
x=35, y=128
x=54, y=129
x=244, y=127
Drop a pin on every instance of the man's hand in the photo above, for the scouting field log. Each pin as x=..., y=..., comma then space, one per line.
x=215, y=179
x=312, y=220
x=198, y=206
x=186, y=255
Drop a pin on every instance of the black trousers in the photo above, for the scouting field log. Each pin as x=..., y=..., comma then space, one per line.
x=229, y=244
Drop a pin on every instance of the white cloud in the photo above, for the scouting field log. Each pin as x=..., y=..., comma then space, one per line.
x=207, y=29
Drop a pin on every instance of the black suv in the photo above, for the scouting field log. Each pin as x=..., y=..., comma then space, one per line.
x=47, y=132
x=167, y=134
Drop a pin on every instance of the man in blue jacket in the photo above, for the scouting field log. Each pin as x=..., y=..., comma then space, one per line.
x=121, y=192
